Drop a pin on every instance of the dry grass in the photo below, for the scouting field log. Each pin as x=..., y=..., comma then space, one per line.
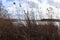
x=30, y=32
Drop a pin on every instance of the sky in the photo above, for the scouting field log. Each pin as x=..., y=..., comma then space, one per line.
x=35, y=4
x=10, y=2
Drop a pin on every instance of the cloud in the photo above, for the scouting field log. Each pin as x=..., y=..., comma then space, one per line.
x=54, y=3
x=6, y=3
x=57, y=1
x=35, y=1
x=26, y=4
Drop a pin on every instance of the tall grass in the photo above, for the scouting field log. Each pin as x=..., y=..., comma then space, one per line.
x=31, y=31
